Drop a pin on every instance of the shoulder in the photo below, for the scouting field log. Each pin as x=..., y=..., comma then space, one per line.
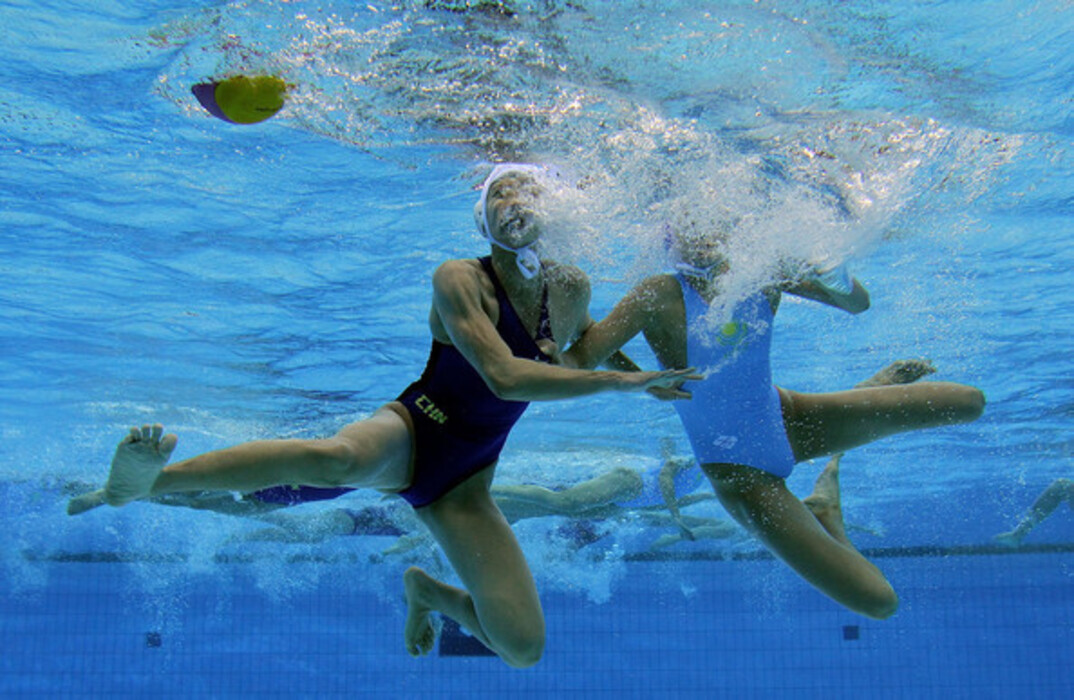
x=454, y=269
x=461, y=282
x=457, y=273
x=567, y=277
x=569, y=285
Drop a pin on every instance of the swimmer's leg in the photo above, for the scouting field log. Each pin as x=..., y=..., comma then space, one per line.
x=374, y=452
x=619, y=484
x=824, y=424
x=425, y=596
x=499, y=605
x=825, y=503
x=826, y=558
x=1058, y=491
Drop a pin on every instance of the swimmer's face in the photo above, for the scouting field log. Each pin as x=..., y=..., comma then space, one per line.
x=513, y=216
x=702, y=249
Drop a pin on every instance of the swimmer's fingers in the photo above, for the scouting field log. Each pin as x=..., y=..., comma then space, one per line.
x=669, y=380
x=690, y=374
x=671, y=377
x=668, y=393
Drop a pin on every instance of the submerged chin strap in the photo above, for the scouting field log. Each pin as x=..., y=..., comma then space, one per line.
x=706, y=273
x=526, y=258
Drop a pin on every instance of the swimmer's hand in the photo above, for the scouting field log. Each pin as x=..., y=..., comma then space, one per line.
x=672, y=393
x=669, y=379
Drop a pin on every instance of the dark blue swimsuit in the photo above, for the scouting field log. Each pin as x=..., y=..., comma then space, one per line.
x=460, y=426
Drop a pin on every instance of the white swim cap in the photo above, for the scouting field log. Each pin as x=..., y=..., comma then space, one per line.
x=526, y=258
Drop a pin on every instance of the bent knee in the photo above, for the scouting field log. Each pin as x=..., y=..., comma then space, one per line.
x=523, y=651
x=974, y=404
x=967, y=404
x=881, y=605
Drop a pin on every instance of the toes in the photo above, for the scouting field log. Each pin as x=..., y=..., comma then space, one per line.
x=167, y=444
x=153, y=436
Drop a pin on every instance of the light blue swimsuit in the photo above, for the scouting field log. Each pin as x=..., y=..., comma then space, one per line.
x=734, y=416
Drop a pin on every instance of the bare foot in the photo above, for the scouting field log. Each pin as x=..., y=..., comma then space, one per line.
x=1008, y=539
x=138, y=461
x=825, y=502
x=900, y=372
x=421, y=628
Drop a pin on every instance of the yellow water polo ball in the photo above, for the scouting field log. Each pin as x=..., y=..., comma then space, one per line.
x=243, y=99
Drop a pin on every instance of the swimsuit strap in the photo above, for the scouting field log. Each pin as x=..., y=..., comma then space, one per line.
x=544, y=324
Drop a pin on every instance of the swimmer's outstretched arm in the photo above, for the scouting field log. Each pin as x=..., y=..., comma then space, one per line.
x=811, y=287
x=457, y=303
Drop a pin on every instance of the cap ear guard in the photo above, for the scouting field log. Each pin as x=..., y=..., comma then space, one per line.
x=479, y=217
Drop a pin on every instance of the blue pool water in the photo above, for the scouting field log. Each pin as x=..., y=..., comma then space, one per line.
x=273, y=280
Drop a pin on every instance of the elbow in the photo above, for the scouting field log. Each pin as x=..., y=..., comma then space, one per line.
x=857, y=301
x=882, y=606
x=504, y=384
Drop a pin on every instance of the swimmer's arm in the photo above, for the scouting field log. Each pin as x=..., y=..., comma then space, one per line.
x=601, y=342
x=855, y=301
x=618, y=360
x=457, y=302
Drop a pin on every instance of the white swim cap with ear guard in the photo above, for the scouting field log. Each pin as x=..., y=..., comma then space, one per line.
x=526, y=258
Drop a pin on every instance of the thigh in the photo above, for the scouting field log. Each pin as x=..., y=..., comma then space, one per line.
x=380, y=449
x=485, y=554
x=822, y=424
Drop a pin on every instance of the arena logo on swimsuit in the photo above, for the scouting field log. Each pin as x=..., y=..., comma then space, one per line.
x=426, y=406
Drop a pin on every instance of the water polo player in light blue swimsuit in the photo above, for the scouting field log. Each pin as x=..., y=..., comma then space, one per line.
x=748, y=434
